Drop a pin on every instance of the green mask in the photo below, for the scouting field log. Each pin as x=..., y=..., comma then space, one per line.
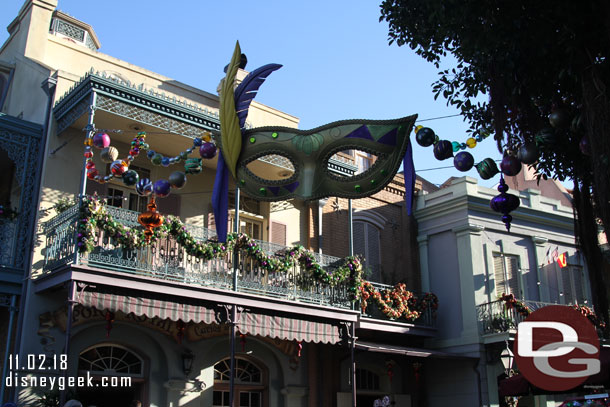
x=310, y=150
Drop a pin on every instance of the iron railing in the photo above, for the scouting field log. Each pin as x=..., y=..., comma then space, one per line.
x=167, y=260
x=495, y=317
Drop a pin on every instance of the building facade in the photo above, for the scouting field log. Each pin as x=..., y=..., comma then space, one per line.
x=160, y=316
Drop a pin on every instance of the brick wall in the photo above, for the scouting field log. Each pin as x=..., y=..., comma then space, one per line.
x=398, y=236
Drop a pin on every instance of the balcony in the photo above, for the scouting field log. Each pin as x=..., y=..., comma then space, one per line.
x=167, y=260
x=495, y=318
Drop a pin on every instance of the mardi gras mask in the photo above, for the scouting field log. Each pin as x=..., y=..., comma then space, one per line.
x=309, y=153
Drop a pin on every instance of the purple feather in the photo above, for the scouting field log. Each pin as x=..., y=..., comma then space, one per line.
x=246, y=91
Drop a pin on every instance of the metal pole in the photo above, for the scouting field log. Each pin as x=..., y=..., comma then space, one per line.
x=83, y=182
x=350, y=227
x=234, y=308
x=71, y=296
x=7, y=350
x=353, y=366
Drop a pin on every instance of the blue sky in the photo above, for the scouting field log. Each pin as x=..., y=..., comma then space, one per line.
x=337, y=62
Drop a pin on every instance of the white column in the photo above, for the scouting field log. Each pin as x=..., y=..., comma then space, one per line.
x=422, y=242
x=470, y=263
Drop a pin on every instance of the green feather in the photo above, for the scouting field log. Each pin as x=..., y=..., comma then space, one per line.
x=230, y=133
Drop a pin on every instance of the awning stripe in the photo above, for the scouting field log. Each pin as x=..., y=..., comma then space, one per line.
x=288, y=328
x=147, y=307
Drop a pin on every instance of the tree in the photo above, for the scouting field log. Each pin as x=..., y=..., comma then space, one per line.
x=545, y=68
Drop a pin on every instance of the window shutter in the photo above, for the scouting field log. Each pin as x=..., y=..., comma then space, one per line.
x=512, y=271
x=579, y=294
x=500, y=280
x=278, y=233
x=374, y=258
x=359, y=240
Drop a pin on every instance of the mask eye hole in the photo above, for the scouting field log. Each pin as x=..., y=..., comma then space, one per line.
x=272, y=168
x=352, y=163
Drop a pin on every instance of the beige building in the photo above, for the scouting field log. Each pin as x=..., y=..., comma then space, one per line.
x=158, y=316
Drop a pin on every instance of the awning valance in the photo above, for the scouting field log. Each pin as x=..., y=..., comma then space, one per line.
x=288, y=328
x=146, y=306
x=415, y=352
x=249, y=322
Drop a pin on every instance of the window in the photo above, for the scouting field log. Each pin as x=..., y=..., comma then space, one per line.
x=251, y=227
x=506, y=274
x=364, y=161
x=366, y=380
x=110, y=360
x=250, y=384
x=573, y=290
x=366, y=243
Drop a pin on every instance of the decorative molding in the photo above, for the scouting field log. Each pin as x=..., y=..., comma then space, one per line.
x=469, y=228
x=539, y=240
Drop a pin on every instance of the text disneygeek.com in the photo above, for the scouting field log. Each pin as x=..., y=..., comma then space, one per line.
x=29, y=371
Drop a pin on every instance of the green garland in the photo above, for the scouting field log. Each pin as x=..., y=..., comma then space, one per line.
x=93, y=215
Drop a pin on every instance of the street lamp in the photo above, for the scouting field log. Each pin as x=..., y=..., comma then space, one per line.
x=507, y=359
x=187, y=362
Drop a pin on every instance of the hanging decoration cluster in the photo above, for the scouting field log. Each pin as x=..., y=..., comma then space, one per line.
x=464, y=161
x=119, y=168
x=398, y=302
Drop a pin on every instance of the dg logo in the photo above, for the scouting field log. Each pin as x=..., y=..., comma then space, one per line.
x=557, y=348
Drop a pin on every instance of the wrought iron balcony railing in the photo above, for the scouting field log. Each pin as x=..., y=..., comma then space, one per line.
x=166, y=260
x=495, y=317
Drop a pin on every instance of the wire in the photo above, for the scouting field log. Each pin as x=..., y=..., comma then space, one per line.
x=438, y=118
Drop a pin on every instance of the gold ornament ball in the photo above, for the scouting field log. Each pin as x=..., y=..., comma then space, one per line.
x=471, y=142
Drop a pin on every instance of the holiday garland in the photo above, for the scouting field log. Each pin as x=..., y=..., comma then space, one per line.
x=393, y=303
x=511, y=302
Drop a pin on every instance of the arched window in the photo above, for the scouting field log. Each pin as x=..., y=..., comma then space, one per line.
x=366, y=243
x=117, y=366
x=250, y=384
x=110, y=360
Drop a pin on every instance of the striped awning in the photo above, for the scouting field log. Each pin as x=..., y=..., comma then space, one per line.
x=288, y=328
x=249, y=322
x=146, y=306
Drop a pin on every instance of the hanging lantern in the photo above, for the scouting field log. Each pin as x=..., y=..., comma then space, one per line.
x=487, y=168
x=510, y=165
x=151, y=219
x=505, y=203
x=242, y=340
x=528, y=153
x=463, y=161
x=425, y=136
x=443, y=150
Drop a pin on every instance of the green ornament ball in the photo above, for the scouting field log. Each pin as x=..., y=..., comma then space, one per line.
x=487, y=168
x=157, y=159
x=425, y=137
x=130, y=178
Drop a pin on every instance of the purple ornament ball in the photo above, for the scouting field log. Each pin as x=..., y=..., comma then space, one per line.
x=207, y=150
x=101, y=140
x=162, y=188
x=463, y=161
x=510, y=165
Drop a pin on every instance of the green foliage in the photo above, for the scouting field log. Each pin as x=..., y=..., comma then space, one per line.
x=530, y=57
x=63, y=204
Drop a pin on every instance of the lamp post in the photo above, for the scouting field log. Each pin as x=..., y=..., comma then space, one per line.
x=187, y=362
x=507, y=358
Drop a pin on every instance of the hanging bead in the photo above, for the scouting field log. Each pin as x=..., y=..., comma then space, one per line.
x=471, y=142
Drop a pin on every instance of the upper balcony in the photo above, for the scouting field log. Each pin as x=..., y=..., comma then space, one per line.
x=168, y=260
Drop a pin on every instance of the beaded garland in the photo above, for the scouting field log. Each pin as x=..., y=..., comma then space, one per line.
x=120, y=167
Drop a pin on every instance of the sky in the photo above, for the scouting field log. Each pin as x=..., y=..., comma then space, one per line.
x=337, y=63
